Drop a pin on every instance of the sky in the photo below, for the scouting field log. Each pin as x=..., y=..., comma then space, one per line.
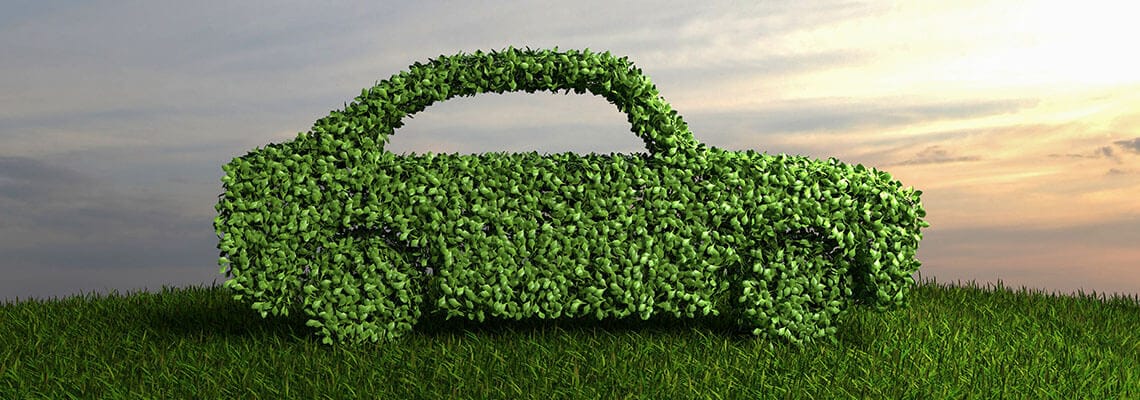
x=1019, y=120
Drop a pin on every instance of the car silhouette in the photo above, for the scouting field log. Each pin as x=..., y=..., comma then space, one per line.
x=365, y=242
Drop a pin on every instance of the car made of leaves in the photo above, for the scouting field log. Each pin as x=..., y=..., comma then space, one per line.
x=365, y=242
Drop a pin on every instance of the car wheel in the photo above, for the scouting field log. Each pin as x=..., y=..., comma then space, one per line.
x=779, y=298
x=375, y=293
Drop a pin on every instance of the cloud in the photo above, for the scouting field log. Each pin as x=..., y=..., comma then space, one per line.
x=25, y=179
x=830, y=115
x=937, y=155
x=1129, y=145
x=1105, y=151
x=56, y=217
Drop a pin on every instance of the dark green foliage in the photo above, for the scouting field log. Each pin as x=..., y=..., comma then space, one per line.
x=782, y=244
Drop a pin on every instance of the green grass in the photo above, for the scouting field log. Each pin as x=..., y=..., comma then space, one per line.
x=952, y=343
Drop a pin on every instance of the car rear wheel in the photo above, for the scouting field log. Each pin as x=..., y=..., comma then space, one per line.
x=376, y=293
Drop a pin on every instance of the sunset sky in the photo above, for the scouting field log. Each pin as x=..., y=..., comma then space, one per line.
x=1019, y=120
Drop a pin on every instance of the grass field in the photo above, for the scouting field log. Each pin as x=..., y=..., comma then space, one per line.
x=953, y=342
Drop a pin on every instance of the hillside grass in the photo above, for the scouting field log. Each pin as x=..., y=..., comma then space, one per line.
x=952, y=342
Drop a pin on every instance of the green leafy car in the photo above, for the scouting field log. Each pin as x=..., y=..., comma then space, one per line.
x=365, y=242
